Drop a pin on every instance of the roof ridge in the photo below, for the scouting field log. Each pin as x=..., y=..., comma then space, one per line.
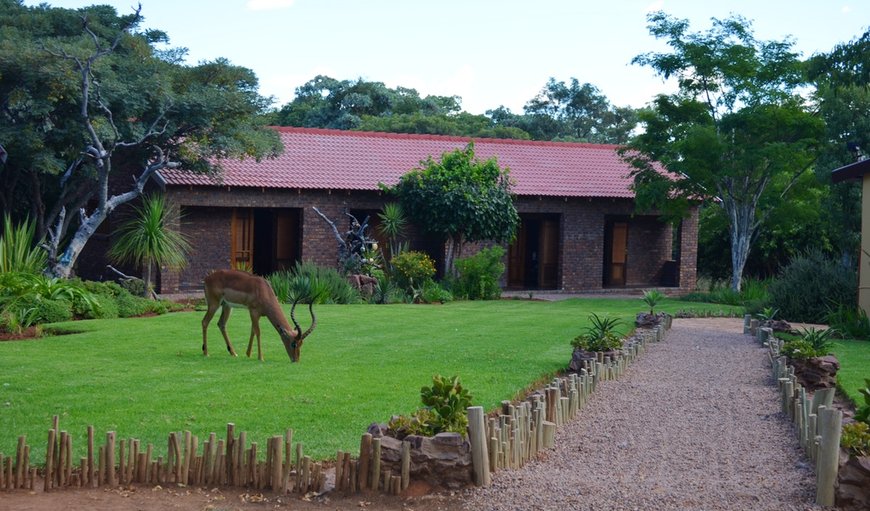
x=445, y=138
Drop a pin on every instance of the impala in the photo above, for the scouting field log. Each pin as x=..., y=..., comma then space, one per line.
x=227, y=288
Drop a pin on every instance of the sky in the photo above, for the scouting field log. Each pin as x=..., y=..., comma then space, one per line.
x=488, y=52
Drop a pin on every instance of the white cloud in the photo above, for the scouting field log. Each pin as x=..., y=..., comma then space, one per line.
x=267, y=5
x=846, y=9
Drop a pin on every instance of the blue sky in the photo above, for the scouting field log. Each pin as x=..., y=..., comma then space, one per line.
x=488, y=52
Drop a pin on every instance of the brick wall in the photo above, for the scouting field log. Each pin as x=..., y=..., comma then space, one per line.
x=582, y=224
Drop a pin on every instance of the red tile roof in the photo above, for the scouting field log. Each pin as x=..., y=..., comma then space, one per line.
x=356, y=160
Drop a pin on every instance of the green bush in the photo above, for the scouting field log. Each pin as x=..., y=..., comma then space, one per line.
x=810, y=285
x=478, y=275
x=600, y=336
x=45, y=310
x=412, y=268
x=19, y=251
x=856, y=438
x=863, y=412
x=445, y=402
x=812, y=343
x=333, y=287
x=433, y=293
x=849, y=322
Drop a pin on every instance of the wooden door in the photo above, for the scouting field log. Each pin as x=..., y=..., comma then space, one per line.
x=548, y=250
x=242, y=239
x=618, y=252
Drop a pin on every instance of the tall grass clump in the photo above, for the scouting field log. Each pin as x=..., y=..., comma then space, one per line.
x=19, y=251
x=753, y=294
x=810, y=285
x=335, y=288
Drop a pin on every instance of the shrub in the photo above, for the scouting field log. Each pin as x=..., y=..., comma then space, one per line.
x=412, y=268
x=41, y=310
x=387, y=291
x=813, y=343
x=856, y=438
x=850, y=322
x=445, y=402
x=448, y=401
x=863, y=412
x=478, y=275
x=333, y=287
x=432, y=292
x=600, y=336
x=810, y=285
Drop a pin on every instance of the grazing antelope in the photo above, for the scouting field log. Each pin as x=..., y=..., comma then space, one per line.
x=225, y=288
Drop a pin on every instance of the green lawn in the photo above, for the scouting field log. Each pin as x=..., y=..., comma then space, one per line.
x=146, y=377
x=854, y=357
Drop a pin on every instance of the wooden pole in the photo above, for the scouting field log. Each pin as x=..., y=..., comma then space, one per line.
x=375, y=475
x=91, y=464
x=365, y=448
x=110, y=460
x=479, y=453
x=230, y=459
x=339, y=473
x=288, y=459
x=830, y=425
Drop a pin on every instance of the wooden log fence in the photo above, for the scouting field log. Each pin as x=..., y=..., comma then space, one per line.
x=124, y=462
x=817, y=423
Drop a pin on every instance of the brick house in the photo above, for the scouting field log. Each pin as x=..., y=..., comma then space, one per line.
x=578, y=232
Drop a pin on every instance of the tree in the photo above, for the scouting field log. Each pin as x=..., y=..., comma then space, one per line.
x=843, y=98
x=736, y=132
x=460, y=199
x=85, y=97
x=148, y=238
x=575, y=112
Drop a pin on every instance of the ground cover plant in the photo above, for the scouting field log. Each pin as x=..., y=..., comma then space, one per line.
x=146, y=377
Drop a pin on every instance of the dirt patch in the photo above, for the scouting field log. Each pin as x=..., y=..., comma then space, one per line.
x=153, y=499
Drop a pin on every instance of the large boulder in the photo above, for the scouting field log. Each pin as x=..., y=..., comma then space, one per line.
x=443, y=460
x=853, y=483
x=817, y=372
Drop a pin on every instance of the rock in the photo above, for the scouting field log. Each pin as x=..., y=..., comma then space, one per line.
x=577, y=358
x=443, y=460
x=647, y=320
x=817, y=372
x=363, y=283
x=777, y=325
x=853, y=484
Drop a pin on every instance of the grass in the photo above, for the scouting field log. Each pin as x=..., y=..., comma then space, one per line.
x=146, y=377
x=854, y=357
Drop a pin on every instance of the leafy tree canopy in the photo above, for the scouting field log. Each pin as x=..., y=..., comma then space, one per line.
x=460, y=198
x=574, y=112
x=736, y=131
x=83, y=92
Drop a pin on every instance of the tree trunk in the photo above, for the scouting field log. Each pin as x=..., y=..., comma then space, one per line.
x=741, y=227
x=148, y=288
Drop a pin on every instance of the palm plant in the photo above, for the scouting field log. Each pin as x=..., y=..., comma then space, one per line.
x=652, y=297
x=393, y=223
x=146, y=239
x=18, y=253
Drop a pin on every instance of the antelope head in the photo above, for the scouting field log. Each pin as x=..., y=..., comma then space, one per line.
x=293, y=340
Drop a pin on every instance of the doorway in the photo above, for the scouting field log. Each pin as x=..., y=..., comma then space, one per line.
x=265, y=240
x=533, y=258
x=615, y=252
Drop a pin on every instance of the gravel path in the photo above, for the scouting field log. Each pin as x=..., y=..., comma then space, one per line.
x=694, y=424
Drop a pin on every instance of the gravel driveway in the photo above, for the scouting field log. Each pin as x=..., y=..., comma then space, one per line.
x=694, y=424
